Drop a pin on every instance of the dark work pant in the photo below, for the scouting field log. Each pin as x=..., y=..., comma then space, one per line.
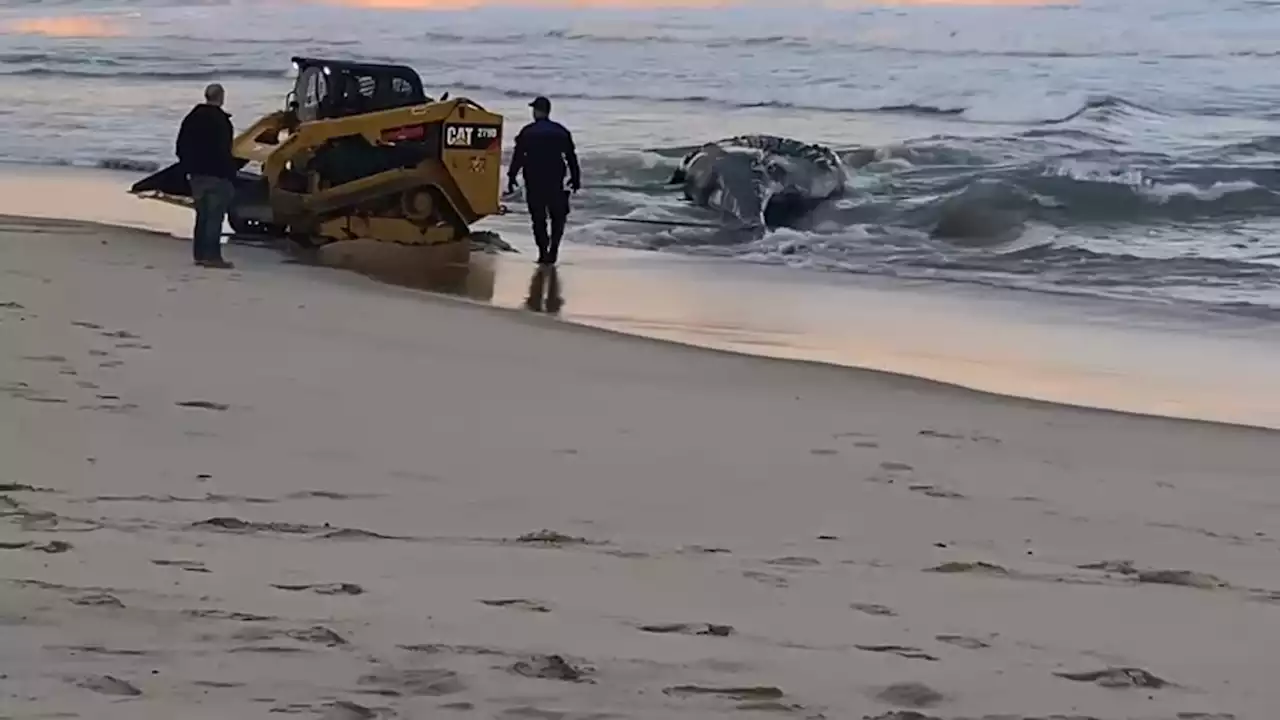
x=550, y=206
x=212, y=196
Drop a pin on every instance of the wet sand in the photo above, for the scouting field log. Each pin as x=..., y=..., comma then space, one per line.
x=291, y=490
x=1095, y=353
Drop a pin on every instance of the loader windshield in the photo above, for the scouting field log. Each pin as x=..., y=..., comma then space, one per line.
x=327, y=90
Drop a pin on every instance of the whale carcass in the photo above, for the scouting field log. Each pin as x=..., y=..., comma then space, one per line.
x=760, y=181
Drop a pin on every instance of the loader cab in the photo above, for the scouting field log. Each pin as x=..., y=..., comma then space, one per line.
x=329, y=89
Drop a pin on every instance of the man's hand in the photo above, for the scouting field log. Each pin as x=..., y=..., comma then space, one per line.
x=575, y=185
x=511, y=185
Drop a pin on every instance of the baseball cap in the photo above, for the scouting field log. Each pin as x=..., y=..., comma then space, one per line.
x=541, y=103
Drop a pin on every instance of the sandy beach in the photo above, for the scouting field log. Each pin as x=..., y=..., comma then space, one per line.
x=292, y=490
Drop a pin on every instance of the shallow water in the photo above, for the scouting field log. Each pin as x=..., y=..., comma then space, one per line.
x=1131, y=146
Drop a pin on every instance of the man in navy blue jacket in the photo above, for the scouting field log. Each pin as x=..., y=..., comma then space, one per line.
x=544, y=150
x=204, y=151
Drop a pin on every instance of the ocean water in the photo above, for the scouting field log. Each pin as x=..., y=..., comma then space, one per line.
x=1121, y=149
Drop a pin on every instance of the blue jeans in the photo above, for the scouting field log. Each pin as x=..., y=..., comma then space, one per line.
x=212, y=196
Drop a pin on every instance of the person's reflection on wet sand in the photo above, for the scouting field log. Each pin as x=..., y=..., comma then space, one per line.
x=544, y=291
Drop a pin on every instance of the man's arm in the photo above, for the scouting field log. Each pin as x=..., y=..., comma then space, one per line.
x=517, y=159
x=184, y=139
x=571, y=158
x=228, y=141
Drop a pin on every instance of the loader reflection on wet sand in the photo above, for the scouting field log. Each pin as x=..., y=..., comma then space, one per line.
x=437, y=268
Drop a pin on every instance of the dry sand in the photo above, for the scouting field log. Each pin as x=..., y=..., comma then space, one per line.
x=288, y=490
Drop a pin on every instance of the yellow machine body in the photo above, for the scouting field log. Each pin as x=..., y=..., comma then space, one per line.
x=360, y=153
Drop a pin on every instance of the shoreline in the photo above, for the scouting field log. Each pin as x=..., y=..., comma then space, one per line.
x=897, y=379
x=298, y=490
x=1080, y=352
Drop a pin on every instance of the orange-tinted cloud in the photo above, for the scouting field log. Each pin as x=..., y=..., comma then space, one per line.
x=467, y=4
x=972, y=3
x=74, y=26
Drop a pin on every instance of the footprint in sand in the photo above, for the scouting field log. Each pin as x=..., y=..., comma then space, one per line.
x=44, y=399
x=234, y=524
x=358, y=534
x=317, y=634
x=324, y=588
x=1184, y=578
x=758, y=692
x=702, y=550
x=344, y=710
x=909, y=695
x=766, y=578
x=891, y=472
x=518, y=604
x=53, y=547
x=326, y=495
x=551, y=667
x=550, y=538
x=794, y=561
x=937, y=492
x=203, y=405
x=963, y=641
x=45, y=358
x=108, y=685
x=873, y=609
x=100, y=650
x=975, y=437
x=7, y=487
x=98, y=600
x=979, y=567
x=711, y=629
x=188, y=565
x=905, y=651
x=217, y=614
x=1118, y=677
x=420, y=683
x=938, y=434
x=437, y=649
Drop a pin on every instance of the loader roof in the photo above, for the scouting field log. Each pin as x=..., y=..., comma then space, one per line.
x=355, y=66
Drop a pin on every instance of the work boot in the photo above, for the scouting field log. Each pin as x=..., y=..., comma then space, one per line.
x=218, y=264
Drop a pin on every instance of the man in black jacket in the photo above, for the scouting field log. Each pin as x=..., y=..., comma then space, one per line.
x=204, y=151
x=543, y=149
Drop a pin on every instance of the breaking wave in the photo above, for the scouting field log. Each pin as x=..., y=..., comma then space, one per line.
x=1087, y=220
x=37, y=65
